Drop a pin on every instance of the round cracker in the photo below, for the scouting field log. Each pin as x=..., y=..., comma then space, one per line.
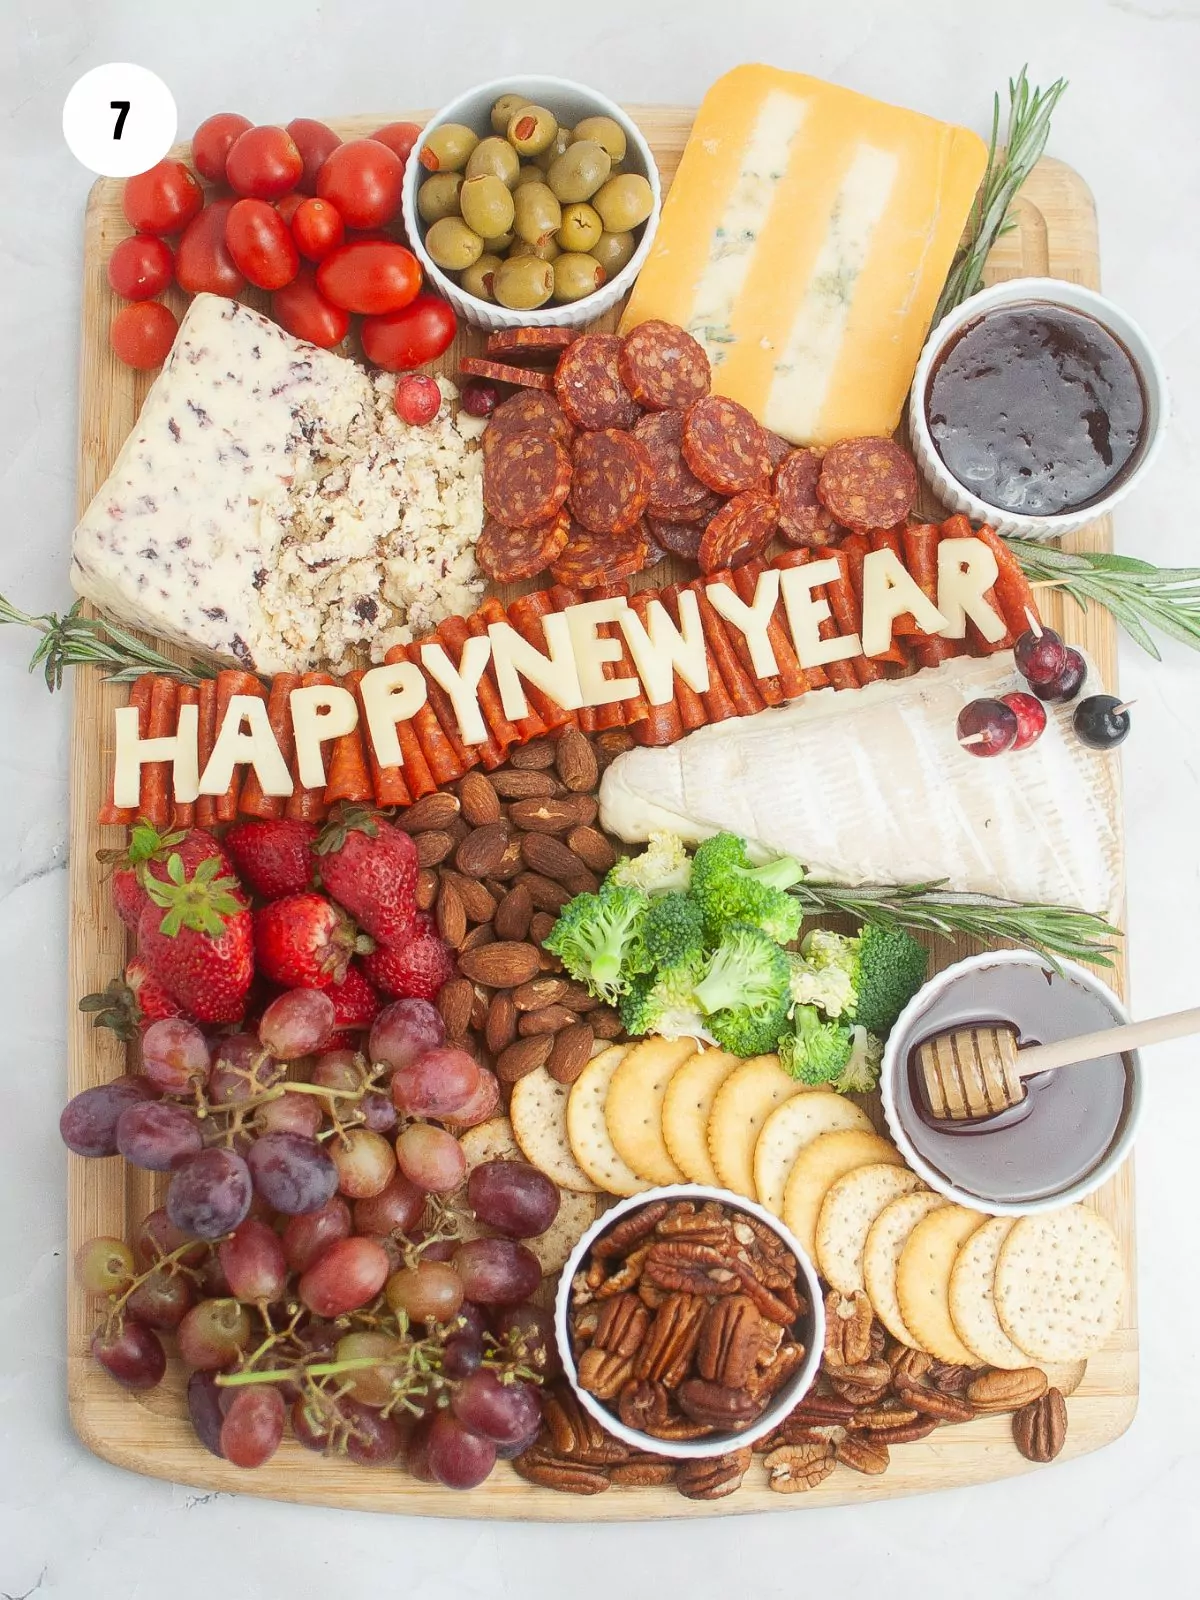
x=791, y=1126
x=588, y=1132
x=1059, y=1283
x=849, y=1208
x=538, y=1110
x=742, y=1105
x=490, y=1141
x=881, y=1256
x=923, y=1280
x=576, y=1213
x=633, y=1109
x=687, y=1106
x=818, y=1166
x=972, y=1302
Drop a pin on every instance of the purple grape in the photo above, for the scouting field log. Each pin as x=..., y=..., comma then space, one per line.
x=456, y=1457
x=1040, y=656
x=204, y=1408
x=161, y=1300
x=174, y=1055
x=461, y=1356
x=374, y=1441
x=292, y=1174
x=1068, y=683
x=133, y=1355
x=297, y=1023
x=403, y=1031
x=253, y=1426
x=210, y=1193
x=157, y=1135
x=497, y=1272
x=987, y=728
x=509, y=1452
x=502, y=1412
x=378, y=1112
x=534, y=1326
x=88, y=1123
x=513, y=1197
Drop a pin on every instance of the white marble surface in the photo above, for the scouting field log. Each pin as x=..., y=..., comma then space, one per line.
x=71, y=1525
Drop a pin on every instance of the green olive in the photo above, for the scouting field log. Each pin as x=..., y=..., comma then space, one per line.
x=579, y=171
x=494, y=158
x=452, y=245
x=580, y=227
x=624, y=202
x=576, y=275
x=537, y=211
x=438, y=196
x=545, y=251
x=529, y=174
x=614, y=251
x=447, y=148
x=523, y=283
x=486, y=205
x=499, y=245
x=477, y=278
x=505, y=109
x=531, y=129
x=606, y=132
x=557, y=146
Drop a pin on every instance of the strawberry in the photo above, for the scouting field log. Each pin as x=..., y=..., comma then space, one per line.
x=129, y=1006
x=355, y=1002
x=196, y=938
x=274, y=858
x=146, y=855
x=416, y=971
x=305, y=942
x=370, y=868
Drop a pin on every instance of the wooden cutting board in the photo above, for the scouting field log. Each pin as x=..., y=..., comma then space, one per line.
x=149, y=1433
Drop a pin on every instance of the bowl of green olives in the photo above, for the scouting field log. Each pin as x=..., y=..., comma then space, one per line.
x=531, y=201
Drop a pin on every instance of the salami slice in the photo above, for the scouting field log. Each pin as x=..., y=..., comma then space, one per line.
x=525, y=479
x=778, y=449
x=500, y=372
x=663, y=367
x=529, y=412
x=591, y=559
x=588, y=384
x=739, y=532
x=509, y=554
x=530, y=341
x=867, y=483
x=803, y=520
x=679, y=538
x=724, y=446
x=610, y=481
x=675, y=491
x=655, y=552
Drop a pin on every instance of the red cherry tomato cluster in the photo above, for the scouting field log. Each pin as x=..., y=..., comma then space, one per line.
x=295, y=211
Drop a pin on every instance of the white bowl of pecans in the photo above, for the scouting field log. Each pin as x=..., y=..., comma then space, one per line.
x=690, y=1321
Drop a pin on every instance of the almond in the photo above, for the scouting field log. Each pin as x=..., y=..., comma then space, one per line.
x=480, y=802
x=544, y=892
x=478, y=902
x=501, y=1026
x=571, y=1053
x=612, y=743
x=427, y=888
x=576, y=761
x=511, y=862
x=605, y=1023
x=525, y=1056
x=433, y=846
x=539, y=992
x=513, y=913
x=537, y=753
x=548, y=816
x=481, y=851
x=502, y=965
x=480, y=1001
x=548, y=962
x=432, y=811
x=547, y=1019
x=550, y=856
x=477, y=938
x=592, y=848
x=577, y=997
x=455, y=1000
x=540, y=924
x=451, y=917
x=523, y=785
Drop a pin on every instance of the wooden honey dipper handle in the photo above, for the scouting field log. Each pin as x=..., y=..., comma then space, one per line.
x=1109, y=1041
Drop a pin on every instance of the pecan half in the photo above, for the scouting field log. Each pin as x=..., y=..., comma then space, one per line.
x=667, y=1350
x=1000, y=1390
x=730, y=1341
x=621, y=1325
x=933, y=1403
x=575, y=1434
x=793, y=1468
x=847, y=1329
x=775, y=1307
x=643, y=1474
x=604, y=1374
x=863, y=1384
x=626, y=1276
x=876, y=1419
x=712, y=1479
x=631, y=1230
x=766, y=1381
x=537, y=1465
x=716, y=1405
x=908, y=1364
x=643, y=1404
x=679, y=1428
x=951, y=1378
x=772, y=1338
x=863, y=1452
x=1040, y=1428
x=905, y=1432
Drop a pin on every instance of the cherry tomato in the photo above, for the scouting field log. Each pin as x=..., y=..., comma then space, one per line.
x=399, y=136
x=203, y=264
x=363, y=179
x=408, y=338
x=370, y=276
x=212, y=140
x=140, y=268
x=263, y=163
x=303, y=310
x=289, y=205
x=317, y=228
x=142, y=334
x=260, y=244
x=163, y=200
x=418, y=400
x=315, y=142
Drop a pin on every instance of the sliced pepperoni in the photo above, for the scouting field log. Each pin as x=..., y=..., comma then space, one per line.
x=679, y=538
x=655, y=552
x=500, y=372
x=511, y=341
x=724, y=446
x=663, y=367
x=803, y=520
x=526, y=477
x=610, y=480
x=510, y=554
x=739, y=532
x=778, y=448
x=529, y=412
x=867, y=483
x=591, y=559
x=588, y=384
x=675, y=491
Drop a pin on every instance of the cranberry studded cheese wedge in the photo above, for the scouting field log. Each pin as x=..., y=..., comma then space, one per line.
x=804, y=242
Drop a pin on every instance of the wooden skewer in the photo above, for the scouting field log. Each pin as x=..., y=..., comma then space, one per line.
x=973, y=738
x=1124, y=706
x=1035, y=626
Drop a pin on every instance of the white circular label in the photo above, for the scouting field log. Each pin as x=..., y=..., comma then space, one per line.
x=119, y=119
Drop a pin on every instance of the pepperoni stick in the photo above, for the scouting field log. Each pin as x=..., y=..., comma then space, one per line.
x=252, y=802
x=435, y=746
x=307, y=805
x=856, y=547
x=723, y=657
x=921, y=540
x=206, y=804
x=696, y=710
x=349, y=777
x=466, y=755
x=847, y=613
x=838, y=673
x=229, y=683
x=506, y=733
x=111, y=814
x=530, y=726
x=1013, y=592
x=770, y=689
x=155, y=800
x=620, y=713
x=183, y=812
x=452, y=635
x=792, y=678
x=560, y=597
x=662, y=724
x=389, y=785
x=892, y=539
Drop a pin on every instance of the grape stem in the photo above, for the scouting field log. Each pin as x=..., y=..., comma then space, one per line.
x=117, y=1303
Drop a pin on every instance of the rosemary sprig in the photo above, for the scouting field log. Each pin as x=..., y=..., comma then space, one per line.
x=78, y=641
x=1138, y=595
x=1051, y=930
x=1029, y=113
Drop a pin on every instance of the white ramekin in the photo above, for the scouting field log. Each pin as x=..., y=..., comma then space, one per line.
x=895, y=1064
x=570, y=102
x=1056, y=291
x=789, y=1396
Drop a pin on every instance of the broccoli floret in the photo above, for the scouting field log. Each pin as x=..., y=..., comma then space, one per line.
x=663, y=865
x=829, y=987
x=672, y=931
x=744, y=991
x=861, y=1072
x=891, y=968
x=665, y=1003
x=728, y=889
x=597, y=938
x=814, y=1051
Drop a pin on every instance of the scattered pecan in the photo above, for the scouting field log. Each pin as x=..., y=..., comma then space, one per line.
x=865, y=1453
x=949, y=1377
x=933, y=1403
x=876, y=1419
x=905, y=1432
x=1000, y=1390
x=847, y=1329
x=1040, y=1428
x=717, y=1405
x=643, y=1473
x=714, y=1478
x=539, y=1466
x=863, y=1384
x=603, y=1373
x=575, y=1434
x=793, y=1468
x=730, y=1340
x=621, y=1326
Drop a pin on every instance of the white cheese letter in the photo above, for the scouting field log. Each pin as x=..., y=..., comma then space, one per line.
x=592, y=650
x=555, y=674
x=181, y=750
x=391, y=695
x=751, y=621
x=805, y=615
x=660, y=649
x=967, y=569
x=461, y=683
x=889, y=590
x=256, y=747
x=321, y=712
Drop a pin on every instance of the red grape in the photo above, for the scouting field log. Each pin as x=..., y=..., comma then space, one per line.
x=310, y=1424
x=378, y=1112
x=161, y=1300
x=291, y=1113
x=504, y=1412
x=497, y=1272
x=987, y=728
x=461, y=1356
x=431, y=1158
x=471, y=1320
x=1068, y=683
x=297, y=1023
x=131, y=1354
x=104, y=1266
x=1031, y=717
x=513, y=1197
x=204, y=1408
x=509, y=1452
x=429, y=1292
x=416, y=1455
x=306, y=1238
x=364, y=1162
x=293, y=1174
x=482, y=1104
x=346, y=1276
x=533, y=1326
x=88, y=1123
x=437, y=1084
x=339, y=1069
x=210, y=1193
x=175, y=1055
x=373, y=1386
x=1041, y=656
x=158, y=1236
x=213, y=1334
x=403, y=1031
x=240, y=1068
x=457, y=1458
x=396, y=1209
x=254, y=1263
x=373, y=1441
x=253, y=1425
x=479, y=398
x=157, y=1135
